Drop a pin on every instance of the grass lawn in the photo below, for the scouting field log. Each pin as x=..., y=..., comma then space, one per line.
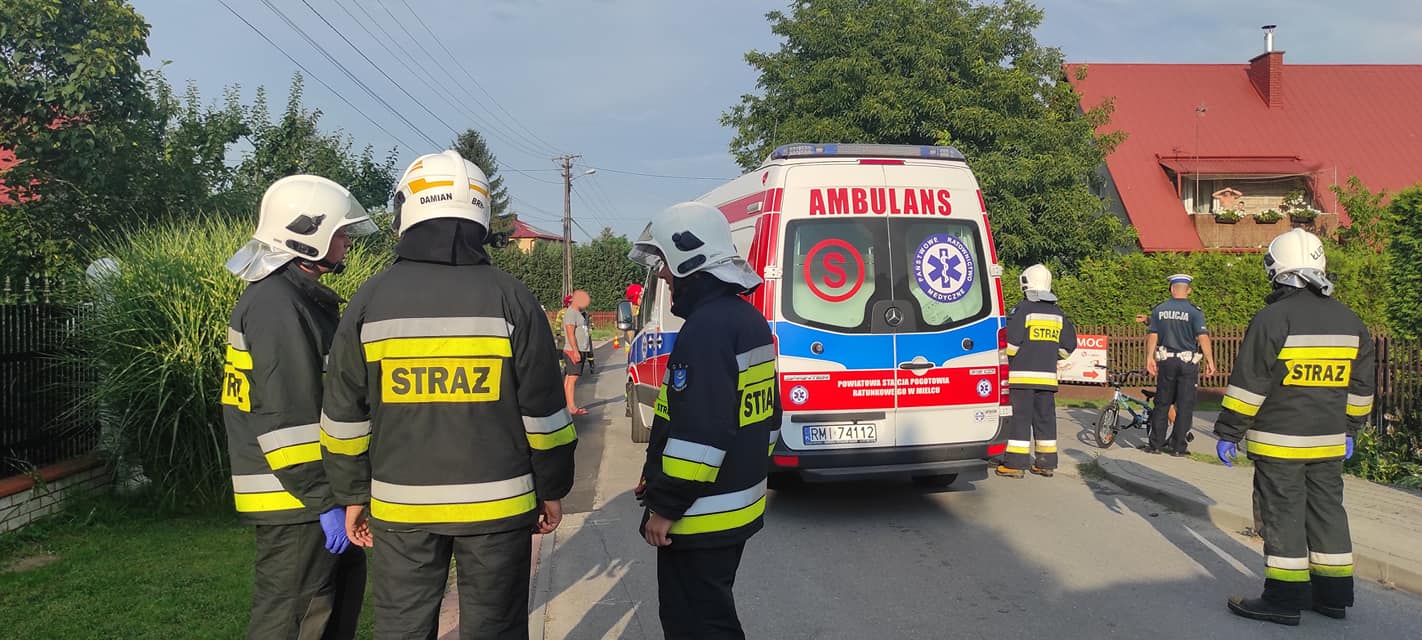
x=119, y=570
x=1240, y=460
x=1203, y=404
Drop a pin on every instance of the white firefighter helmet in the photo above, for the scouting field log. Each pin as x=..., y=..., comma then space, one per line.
x=441, y=185
x=298, y=217
x=1296, y=259
x=1037, y=283
x=692, y=237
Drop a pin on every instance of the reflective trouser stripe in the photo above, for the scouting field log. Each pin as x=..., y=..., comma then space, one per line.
x=1046, y=446
x=551, y=431
x=1330, y=570
x=473, y=502
x=722, y=512
x=260, y=492
x=1286, y=575
x=1019, y=446
x=345, y=438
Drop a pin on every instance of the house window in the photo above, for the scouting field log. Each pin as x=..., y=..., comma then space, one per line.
x=1247, y=195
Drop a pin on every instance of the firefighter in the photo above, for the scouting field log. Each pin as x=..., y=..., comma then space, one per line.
x=1038, y=335
x=1176, y=343
x=704, y=478
x=310, y=581
x=444, y=429
x=1301, y=387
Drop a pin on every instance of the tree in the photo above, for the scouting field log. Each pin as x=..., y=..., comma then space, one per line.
x=474, y=148
x=1366, y=213
x=72, y=109
x=930, y=72
x=1404, y=252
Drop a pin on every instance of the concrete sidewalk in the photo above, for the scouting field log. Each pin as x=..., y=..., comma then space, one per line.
x=1386, y=523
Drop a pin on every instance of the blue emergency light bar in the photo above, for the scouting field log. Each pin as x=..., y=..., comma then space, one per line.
x=800, y=150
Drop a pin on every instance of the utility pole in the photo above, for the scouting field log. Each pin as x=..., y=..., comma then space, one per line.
x=566, y=164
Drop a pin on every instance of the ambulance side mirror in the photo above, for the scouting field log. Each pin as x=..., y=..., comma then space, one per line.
x=624, y=316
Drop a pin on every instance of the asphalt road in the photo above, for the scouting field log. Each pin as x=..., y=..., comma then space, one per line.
x=1067, y=557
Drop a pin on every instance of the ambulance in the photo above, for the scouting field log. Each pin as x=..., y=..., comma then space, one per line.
x=883, y=289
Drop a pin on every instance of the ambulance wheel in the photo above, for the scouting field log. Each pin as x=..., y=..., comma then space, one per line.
x=1107, y=425
x=627, y=399
x=640, y=432
x=936, y=481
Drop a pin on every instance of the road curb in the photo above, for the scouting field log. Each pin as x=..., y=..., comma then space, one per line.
x=542, y=584
x=1368, y=563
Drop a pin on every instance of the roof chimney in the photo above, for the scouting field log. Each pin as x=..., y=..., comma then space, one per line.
x=1266, y=71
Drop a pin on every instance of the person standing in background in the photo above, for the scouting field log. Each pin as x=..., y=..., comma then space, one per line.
x=1176, y=343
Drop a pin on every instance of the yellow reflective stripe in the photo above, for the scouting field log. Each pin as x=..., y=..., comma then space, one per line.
x=546, y=441
x=1051, y=382
x=757, y=373
x=1286, y=575
x=345, y=446
x=269, y=501
x=240, y=360
x=1019, y=446
x=1047, y=447
x=1330, y=570
x=437, y=347
x=1239, y=406
x=1012, y=349
x=293, y=455
x=688, y=470
x=1358, y=411
x=460, y=512
x=725, y=521
x=1318, y=353
x=1295, y=453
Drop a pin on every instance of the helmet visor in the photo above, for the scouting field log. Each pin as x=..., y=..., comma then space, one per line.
x=359, y=227
x=646, y=254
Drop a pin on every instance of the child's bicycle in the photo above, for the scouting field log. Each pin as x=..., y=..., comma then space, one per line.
x=1110, y=422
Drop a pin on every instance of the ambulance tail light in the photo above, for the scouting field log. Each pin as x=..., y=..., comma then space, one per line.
x=997, y=449
x=1002, y=395
x=791, y=461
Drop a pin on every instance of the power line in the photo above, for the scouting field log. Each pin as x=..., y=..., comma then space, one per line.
x=347, y=72
x=660, y=175
x=317, y=78
x=464, y=69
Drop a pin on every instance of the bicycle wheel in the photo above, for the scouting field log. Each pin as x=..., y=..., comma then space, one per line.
x=1108, y=424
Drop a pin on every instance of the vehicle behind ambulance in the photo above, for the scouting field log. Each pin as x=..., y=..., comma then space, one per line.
x=884, y=293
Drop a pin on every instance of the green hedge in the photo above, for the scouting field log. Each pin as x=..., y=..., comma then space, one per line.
x=601, y=267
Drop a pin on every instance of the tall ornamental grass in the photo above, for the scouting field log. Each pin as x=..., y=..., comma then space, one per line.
x=156, y=338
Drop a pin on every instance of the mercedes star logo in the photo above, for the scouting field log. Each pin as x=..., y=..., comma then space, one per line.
x=893, y=316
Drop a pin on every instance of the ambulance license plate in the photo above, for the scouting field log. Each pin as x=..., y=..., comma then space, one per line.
x=841, y=434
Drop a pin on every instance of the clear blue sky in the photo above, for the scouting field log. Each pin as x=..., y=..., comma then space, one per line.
x=639, y=85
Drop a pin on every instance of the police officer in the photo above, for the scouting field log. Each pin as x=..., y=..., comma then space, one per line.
x=309, y=580
x=444, y=429
x=704, y=478
x=1176, y=343
x=1038, y=335
x=1301, y=387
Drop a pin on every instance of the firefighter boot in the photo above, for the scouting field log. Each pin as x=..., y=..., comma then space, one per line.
x=1008, y=472
x=1337, y=613
x=1045, y=473
x=1261, y=609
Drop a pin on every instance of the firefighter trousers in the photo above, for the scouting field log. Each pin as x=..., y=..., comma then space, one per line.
x=1033, y=424
x=694, y=588
x=1308, y=553
x=411, y=568
x=302, y=591
x=1177, y=383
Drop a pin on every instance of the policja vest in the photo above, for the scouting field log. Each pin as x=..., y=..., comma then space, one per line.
x=1303, y=380
x=717, y=416
x=277, y=341
x=1038, y=335
x=444, y=407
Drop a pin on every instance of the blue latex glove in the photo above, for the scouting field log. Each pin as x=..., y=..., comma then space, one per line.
x=1349, y=452
x=333, y=522
x=1226, y=450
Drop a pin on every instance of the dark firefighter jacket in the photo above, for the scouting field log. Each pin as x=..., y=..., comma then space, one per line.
x=1038, y=335
x=444, y=406
x=718, y=409
x=277, y=341
x=1303, y=380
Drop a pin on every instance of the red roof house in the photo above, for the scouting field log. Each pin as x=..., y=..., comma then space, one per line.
x=527, y=236
x=1206, y=138
x=7, y=160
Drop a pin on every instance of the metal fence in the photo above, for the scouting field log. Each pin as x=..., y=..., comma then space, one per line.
x=43, y=419
x=1399, y=367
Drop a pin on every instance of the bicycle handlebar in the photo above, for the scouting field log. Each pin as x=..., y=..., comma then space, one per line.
x=1119, y=378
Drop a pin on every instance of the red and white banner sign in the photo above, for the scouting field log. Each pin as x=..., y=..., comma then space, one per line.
x=1081, y=366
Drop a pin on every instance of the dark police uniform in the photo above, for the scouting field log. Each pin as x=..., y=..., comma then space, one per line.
x=1038, y=335
x=717, y=415
x=1179, y=325
x=444, y=411
x=1302, y=383
x=277, y=342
